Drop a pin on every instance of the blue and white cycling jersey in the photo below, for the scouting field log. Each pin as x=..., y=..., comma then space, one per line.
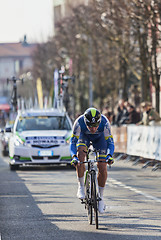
x=102, y=139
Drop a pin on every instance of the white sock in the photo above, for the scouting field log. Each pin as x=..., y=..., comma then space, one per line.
x=81, y=181
x=101, y=189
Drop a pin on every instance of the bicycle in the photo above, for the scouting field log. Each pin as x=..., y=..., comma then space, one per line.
x=91, y=194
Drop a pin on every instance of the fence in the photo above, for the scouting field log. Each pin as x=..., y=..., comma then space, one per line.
x=143, y=141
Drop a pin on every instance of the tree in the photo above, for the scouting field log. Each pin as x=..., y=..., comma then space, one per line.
x=124, y=39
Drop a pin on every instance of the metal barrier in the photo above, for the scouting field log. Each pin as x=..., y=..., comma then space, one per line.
x=120, y=138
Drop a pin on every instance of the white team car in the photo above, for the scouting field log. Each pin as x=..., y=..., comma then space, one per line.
x=40, y=137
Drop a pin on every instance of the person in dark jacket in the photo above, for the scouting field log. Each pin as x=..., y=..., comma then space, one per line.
x=122, y=113
x=134, y=116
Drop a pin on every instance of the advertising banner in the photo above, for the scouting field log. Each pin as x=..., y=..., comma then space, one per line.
x=144, y=141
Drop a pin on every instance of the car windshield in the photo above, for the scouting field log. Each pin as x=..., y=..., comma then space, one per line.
x=43, y=123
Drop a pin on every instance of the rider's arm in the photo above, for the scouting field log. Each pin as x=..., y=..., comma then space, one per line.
x=110, y=145
x=74, y=138
x=73, y=143
x=109, y=139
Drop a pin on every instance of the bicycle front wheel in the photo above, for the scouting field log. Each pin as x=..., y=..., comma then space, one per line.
x=94, y=198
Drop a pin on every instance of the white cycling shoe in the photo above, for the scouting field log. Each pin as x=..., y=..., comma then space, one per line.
x=80, y=192
x=101, y=207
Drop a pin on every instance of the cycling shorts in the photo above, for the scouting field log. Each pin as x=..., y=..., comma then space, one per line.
x=98, y=142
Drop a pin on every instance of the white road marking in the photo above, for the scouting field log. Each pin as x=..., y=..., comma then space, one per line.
x=120, y=184
x=13, y=196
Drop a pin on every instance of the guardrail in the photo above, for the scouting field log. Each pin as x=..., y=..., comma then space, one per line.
x=142, y=141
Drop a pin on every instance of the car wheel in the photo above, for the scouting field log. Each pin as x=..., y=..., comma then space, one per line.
x=5, y=153
x=70, y=166
x=14, y=167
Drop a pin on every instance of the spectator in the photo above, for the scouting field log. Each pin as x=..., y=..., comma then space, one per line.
x=108, y=114
x=134, y=116
x=105, y=111
x=2, y=118
x=150, y=115
x=122, y=113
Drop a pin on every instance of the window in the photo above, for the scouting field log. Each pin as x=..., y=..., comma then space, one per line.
x=57, y=14
x=43, y=123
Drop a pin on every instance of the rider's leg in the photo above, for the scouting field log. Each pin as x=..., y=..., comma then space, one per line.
x=101, y=144
x=102, y=177
x=102, y=173
x=81, y=156
x=80, y=172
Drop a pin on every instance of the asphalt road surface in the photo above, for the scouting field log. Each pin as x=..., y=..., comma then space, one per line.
x=40, y=204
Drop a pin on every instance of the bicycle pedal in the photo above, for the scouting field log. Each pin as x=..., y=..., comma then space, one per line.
x=99, y=199
x=82, y=201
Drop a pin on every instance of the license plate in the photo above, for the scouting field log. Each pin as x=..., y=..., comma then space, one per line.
x=45, y=153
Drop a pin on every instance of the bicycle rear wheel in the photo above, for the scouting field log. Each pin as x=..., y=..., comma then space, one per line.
x=94, y=198
x=88, y=197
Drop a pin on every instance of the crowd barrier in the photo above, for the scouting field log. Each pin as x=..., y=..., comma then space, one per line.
x=143, y=141
x=120, y=138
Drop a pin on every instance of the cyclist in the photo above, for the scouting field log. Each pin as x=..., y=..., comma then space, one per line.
x=93, y=127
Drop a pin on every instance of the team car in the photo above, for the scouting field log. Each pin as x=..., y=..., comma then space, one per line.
x=40, y=137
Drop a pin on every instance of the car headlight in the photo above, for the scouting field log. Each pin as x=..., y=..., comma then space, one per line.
x=27, y=144
x=18, y=141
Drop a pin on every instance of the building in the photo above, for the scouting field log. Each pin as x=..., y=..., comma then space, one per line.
x=15, y=59
x=62, y=8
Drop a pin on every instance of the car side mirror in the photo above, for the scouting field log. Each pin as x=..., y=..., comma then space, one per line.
x=9, y=129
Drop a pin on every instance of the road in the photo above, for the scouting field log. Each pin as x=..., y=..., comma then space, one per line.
x=41, y=204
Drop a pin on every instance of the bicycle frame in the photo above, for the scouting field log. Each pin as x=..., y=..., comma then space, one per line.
x=91, y=198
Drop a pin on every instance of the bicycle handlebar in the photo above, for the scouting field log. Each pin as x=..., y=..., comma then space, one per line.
x=93, y=161
x=104, y=161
